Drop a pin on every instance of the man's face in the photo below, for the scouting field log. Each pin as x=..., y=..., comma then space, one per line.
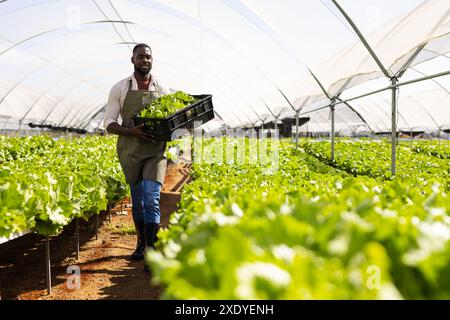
x=142, y=60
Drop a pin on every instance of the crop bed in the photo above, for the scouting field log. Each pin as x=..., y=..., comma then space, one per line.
x=308, y=228
x=315, y=229
x=45, y=184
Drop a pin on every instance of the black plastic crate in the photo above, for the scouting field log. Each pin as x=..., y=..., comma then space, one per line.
x=162, y=128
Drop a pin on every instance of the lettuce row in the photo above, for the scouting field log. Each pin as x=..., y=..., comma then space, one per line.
x=307, y=231
x=44, y=191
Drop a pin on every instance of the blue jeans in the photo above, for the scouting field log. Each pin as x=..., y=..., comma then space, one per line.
x=145, y=199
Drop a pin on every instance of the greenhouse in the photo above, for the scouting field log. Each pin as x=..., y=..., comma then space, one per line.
x=260, y=150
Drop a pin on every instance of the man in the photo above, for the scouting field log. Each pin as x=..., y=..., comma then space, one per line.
x=141, y=158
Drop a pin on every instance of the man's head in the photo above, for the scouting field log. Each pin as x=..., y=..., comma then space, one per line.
x=142, y=59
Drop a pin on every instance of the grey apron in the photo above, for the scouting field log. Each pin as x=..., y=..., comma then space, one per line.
x=140, y=159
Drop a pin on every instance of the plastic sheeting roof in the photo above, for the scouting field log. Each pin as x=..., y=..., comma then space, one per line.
x=59, y=59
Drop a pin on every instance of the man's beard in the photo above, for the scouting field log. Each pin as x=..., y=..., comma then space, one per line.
x=142, y=72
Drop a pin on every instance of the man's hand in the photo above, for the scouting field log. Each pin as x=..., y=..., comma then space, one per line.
x=140, y=134
x=133, y=132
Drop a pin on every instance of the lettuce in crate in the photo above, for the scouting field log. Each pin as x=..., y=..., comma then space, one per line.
x=166, y=105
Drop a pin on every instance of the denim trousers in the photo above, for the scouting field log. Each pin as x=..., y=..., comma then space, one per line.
x=145, y=199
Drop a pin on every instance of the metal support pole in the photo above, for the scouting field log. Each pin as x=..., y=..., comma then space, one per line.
x=296, y=130
x=48, y=270
x=394, y=124
x=78, y=238
x=332, y=130
x=411, y=139
x=20, y=128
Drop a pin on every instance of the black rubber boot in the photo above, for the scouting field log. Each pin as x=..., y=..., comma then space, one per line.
x=150, y=234
x=138, y=254
x=150, y=237
x=158, y=226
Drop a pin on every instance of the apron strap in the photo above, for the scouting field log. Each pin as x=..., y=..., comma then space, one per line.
x=129, y=85
x=129, y=89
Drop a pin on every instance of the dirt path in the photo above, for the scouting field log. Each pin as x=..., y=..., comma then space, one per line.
x=106, y=272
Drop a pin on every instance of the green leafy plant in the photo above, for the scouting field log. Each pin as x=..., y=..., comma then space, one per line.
x=127, y=229
x=166, y=105
x=373, y=159
x=439, y=149
x=308, y=231
x=43, y=191
x=14, y=148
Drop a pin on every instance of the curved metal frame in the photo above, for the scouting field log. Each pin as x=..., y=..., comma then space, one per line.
x=179, y=15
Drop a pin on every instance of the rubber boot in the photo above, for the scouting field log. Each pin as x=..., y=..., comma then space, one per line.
x=158, y=226
x=138, y=254
x=150, y=234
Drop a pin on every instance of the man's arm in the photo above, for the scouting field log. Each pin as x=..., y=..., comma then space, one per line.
x=112, y=114
x=137, y=132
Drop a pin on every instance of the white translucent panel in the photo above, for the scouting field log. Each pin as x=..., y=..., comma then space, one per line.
x=15, y=103
x=393, y=44
x=399, y=38
x=420, y=106
x=4, y=43
x=370, y=15
x=437, y=65
x=63, y=43
x=376, y=113
x=253, y=56
x=217, y=49
x=43, y=17
x=299, y=26
x=433, y=49
x=434, y=109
